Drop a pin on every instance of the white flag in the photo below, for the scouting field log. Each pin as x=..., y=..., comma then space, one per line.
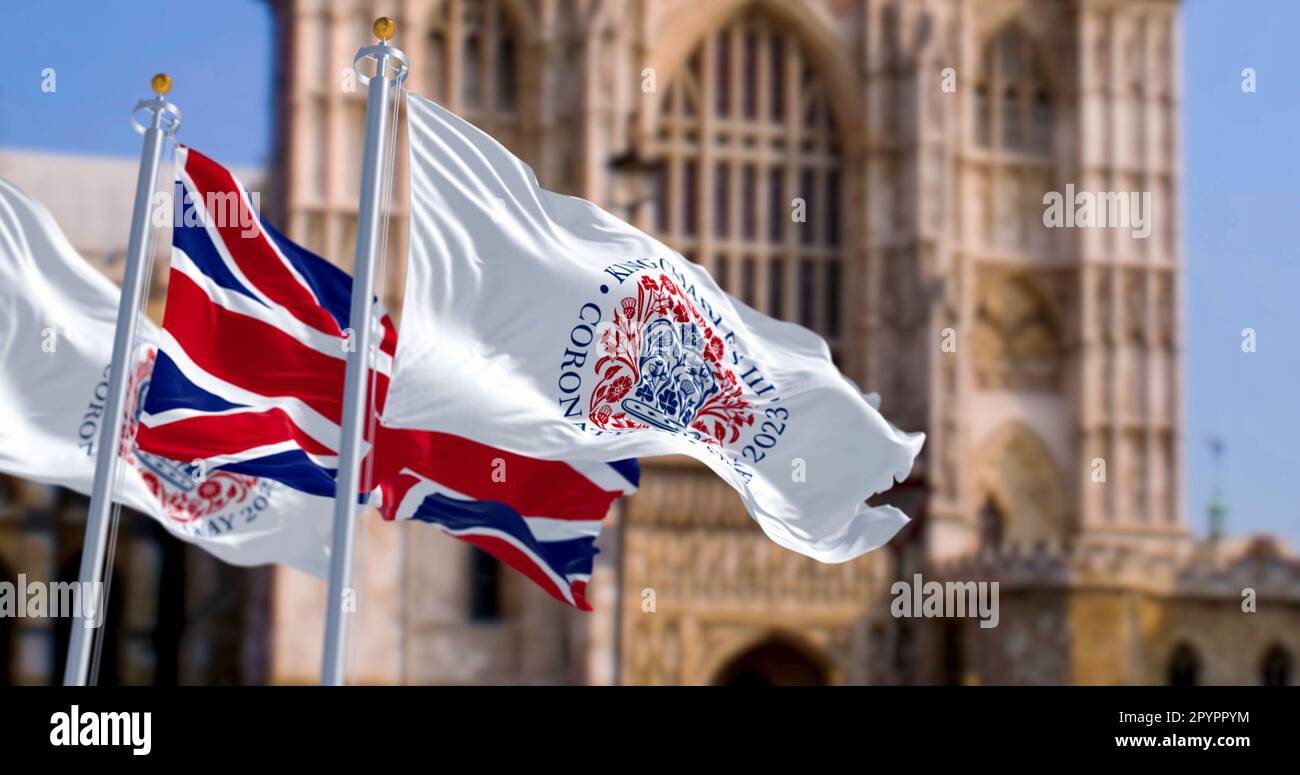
x=57, y=318
x=541, y=324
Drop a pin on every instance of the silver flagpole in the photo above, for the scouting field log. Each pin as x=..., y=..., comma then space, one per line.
x=164, y=119
x=378, y=109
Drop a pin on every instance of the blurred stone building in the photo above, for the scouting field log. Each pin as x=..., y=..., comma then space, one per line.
x=874, y=170
x=1043, y=363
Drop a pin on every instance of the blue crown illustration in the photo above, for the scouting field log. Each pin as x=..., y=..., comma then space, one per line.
x=177, y=474
x=675, y=378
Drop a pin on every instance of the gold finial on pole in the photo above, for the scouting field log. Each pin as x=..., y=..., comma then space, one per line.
x=384, y=28
x=161, y=83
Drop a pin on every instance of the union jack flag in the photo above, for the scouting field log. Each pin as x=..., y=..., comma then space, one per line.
x=249, y=378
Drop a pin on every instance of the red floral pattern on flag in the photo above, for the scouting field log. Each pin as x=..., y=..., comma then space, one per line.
x=719, y=418
x=214, y=493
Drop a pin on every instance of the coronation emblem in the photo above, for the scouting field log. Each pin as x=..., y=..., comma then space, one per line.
x=184, y=497
x=661, y=365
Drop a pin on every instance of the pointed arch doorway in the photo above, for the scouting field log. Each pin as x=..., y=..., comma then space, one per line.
x=773, y=662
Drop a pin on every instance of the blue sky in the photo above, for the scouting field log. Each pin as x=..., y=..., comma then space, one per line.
x=1241, y=185
x=218, y=57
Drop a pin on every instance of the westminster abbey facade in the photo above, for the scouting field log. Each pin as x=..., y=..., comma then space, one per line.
x=874, y=170
x=919, y=138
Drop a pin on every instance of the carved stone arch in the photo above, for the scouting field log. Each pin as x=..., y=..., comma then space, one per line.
x=681, y=32
x=773, y=656
x=1052, y=66
x=1019, y=330
x=1017, y=474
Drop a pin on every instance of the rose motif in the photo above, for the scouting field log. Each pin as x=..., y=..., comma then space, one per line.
x=619, y=388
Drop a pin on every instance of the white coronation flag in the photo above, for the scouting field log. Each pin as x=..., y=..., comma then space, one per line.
x=57, y=317
x=541, y=324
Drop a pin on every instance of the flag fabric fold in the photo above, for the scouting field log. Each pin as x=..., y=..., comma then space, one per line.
x=249, y=381
x=541, y=517
x=55, y=347
x=252, y=351
x=539, y=323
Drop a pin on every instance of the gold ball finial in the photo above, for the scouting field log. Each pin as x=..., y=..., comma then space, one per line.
x=161, y=83
x=384, y=28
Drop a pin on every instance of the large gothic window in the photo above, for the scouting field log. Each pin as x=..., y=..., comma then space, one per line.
x=1013, y=119
x=1013, y=107
x=752, y=185
x=473, y=60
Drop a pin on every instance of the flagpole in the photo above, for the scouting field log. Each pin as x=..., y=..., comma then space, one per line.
x=378, y=109
x=164, y=120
